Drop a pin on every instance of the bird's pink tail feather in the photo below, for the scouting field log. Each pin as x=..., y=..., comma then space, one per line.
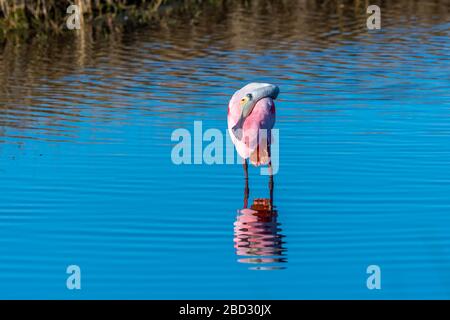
x=260, y=156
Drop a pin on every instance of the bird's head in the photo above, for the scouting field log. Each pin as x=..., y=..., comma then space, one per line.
x=247, y=97
x=252, y=93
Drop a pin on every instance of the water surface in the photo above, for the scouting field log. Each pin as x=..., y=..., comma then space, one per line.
x=86, y=175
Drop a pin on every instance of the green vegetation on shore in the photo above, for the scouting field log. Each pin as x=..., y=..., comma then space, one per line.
x=20, y=19
x=25, y=17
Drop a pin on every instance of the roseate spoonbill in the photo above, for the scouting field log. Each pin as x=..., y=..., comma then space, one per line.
x=251, y=116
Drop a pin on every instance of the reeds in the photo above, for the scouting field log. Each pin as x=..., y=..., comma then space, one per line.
x=36, y=15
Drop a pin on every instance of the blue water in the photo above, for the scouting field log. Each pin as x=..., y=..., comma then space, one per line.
x=86, y=175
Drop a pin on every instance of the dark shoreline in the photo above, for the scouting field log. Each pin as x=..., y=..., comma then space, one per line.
x=31, y=20
x=131, y=15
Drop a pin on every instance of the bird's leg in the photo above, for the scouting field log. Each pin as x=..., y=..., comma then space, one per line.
x=271, y=184
x=246, y=189
x=270, y=176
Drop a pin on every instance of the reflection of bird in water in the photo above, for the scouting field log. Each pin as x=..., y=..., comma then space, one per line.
x=251, y=117
x=257, y=236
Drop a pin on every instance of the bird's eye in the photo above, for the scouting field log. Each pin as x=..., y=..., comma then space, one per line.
x=249, y=96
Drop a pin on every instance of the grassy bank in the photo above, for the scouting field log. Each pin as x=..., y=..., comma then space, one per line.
x=28, y=17
x=46, y=18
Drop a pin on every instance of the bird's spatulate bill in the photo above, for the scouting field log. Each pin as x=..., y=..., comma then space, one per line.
x=237, y=129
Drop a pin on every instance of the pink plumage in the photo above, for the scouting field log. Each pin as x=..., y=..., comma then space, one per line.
x=256, y=127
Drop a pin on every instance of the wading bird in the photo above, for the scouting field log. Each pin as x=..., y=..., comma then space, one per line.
x=251, y=116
